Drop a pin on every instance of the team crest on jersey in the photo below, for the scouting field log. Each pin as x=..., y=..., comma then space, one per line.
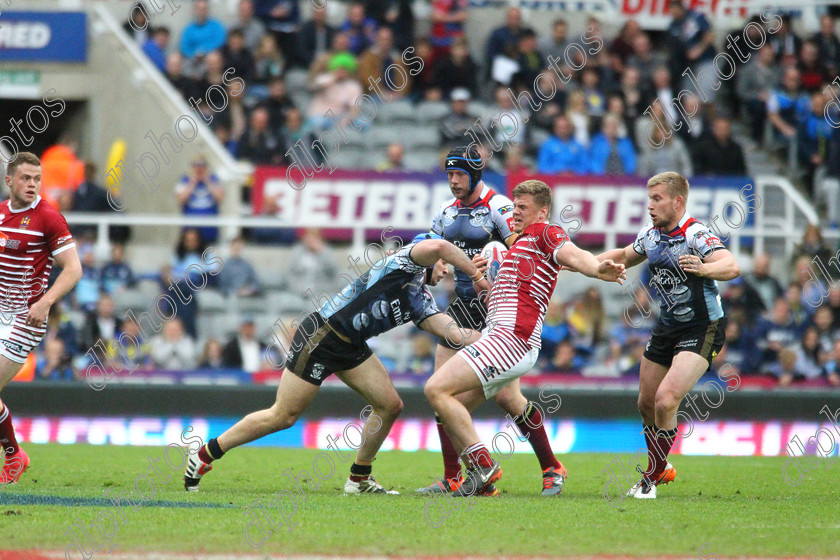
x=490, y=372
x=479, y=216
x=449, y=215
x=24, y=223
x=318, y=371
x=652, y=238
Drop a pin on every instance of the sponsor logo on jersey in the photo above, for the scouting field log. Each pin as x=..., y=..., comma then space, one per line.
x=14, y=346
x=490, y=372
x=472, y=351
x=317, y=371
x=24, y=223
x=687, y=343
x=6, y=242
x=398, y=316
x=505, y=209
x=64, y=239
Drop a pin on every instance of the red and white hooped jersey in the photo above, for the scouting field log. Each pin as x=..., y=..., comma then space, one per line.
x=526, y=280
x=29, y=239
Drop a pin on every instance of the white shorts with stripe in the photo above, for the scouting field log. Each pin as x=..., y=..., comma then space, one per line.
x=497, y=359
x=17, y=339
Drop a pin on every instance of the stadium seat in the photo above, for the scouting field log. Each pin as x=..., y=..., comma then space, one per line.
x=419, y=161
x=212, y=300
x=285, y=302
x=296, y=80
x=430, y=111
x=355, y=138
x=132, y=298
x=398, y=111
x=248, y=305
x=381, y=136
x=351, y=158
x=428, y=158
x=422, y=137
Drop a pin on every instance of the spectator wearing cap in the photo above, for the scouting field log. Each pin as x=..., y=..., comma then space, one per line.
x=238, y=277
x=459, y=120
x=336, y=91
x=203, y=34
x=199, y=194
x=244, y=351
x=561, y=153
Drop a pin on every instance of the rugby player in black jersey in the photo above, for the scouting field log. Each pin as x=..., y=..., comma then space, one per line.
x=334, y=340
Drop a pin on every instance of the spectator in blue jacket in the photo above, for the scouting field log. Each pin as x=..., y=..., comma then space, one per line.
x=609, y=154
x=155, y=47
x=562, y=153
x=203, y=34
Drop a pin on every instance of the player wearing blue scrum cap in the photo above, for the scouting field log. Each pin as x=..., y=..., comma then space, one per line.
x=334, y=340
x=476, y=216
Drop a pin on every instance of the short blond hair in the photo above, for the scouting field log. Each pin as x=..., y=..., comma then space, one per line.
x=537, y=189
x=677, y=184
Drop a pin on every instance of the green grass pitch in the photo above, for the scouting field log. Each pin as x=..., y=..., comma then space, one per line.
x=723, y=506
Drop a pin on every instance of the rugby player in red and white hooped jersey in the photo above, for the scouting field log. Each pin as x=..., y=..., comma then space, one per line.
x=33, y=235
x=510, y=345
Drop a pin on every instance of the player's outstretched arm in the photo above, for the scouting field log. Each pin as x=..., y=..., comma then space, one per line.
x=444, y=326
x=720, y=265
x=626, y=256
x=71, y=272
x=428, y=252
x=573, y=257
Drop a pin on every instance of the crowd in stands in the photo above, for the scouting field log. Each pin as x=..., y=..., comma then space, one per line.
x=631, y=77
x=786, y=330
x=596, y=123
